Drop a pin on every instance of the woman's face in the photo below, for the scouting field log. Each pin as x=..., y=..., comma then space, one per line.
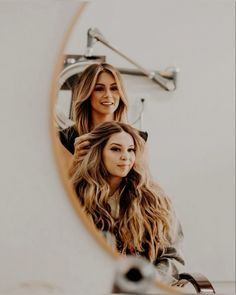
x=105, y=97
x=119, y=154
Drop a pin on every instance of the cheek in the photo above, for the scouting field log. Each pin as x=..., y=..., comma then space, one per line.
x=93, y=99
x=109, y=165
x=117, y=98
x=107, y=159
x=111, y=158
x=133, y=158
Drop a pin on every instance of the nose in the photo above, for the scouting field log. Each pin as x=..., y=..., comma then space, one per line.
x=124, y=156
x=108, y=93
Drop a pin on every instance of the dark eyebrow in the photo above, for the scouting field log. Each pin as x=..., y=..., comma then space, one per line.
x=113, y=84
x=114, y=143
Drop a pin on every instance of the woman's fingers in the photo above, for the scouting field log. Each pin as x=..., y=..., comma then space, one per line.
x=81, y=146
x=81, y=138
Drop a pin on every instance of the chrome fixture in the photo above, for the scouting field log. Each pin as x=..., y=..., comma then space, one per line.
x=166, y=79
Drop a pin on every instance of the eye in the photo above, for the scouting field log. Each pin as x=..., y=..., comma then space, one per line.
x=98, y=88
x=131, y=150
x=114, y=88
x=115, y=149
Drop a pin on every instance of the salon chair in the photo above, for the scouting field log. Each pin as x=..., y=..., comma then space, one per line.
x=200, y=283
x=135, y=275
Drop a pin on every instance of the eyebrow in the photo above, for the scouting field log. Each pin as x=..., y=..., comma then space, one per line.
x=119, y=144
x=104, y=84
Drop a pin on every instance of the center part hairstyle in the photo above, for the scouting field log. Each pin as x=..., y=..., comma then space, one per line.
x=145, y=211
x=82, y=91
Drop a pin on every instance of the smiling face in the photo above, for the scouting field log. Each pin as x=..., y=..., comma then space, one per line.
x=105, y=97
x=119, y=155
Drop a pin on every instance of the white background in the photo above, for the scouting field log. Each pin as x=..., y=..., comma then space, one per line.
x=44, y=247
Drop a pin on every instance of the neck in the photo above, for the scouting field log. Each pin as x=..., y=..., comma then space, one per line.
x=100, y=118
x=114, y=182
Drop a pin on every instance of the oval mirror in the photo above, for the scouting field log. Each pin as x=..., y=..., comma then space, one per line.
x=170, y=109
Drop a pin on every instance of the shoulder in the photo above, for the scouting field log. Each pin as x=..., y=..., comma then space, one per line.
x=67, y=138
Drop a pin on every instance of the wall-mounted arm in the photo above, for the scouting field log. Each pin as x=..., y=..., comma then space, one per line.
x=166, y=83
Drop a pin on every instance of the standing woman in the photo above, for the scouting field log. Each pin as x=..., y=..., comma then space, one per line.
x=98, y=97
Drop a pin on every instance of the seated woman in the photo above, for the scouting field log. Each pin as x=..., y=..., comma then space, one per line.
x=119, y=197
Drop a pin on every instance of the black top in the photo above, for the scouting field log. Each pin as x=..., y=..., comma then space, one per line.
x=68, y=136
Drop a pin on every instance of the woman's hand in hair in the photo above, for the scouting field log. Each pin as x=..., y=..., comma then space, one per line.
x=81, y=145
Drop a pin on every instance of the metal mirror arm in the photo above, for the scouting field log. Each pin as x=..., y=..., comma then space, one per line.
x=95, y=35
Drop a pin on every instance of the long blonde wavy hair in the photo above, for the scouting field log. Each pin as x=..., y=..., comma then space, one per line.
x=82, y=91
x=145, y=211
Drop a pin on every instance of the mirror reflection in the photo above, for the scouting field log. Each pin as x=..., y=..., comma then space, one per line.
x=107, y=166
x=184, y=144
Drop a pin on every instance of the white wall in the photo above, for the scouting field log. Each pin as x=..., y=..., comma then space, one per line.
x=44, y=248
x=191, y=130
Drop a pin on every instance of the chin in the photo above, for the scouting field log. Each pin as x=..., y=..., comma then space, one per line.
x=111, y=111
x=123, y=174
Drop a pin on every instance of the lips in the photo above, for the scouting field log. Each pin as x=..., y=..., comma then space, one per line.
x=124, y=166
x=107, y=103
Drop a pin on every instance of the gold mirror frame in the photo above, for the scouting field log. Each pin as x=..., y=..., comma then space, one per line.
x=60, y=165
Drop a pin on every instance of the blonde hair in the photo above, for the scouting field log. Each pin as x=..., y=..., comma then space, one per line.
x=144, y=208
x=82, y=91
